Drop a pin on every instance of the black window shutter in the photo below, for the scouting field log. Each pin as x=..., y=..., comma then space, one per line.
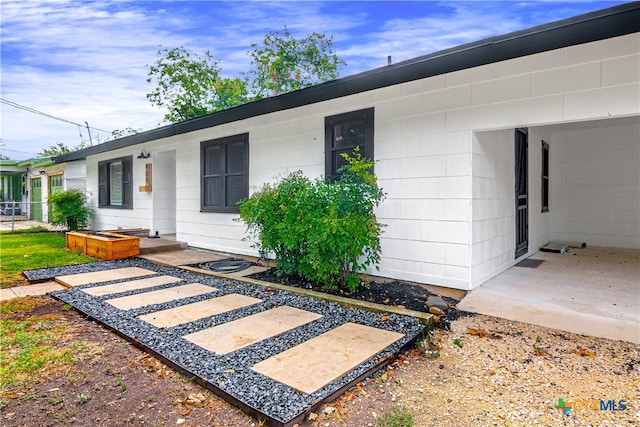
x=224, y=173
x=103, y=184
x=127, y=182
x=212, y=157
x=235, y=172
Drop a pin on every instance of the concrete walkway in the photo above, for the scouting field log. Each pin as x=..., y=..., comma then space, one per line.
x=7, y=224
x=592, y=291
x=30, y=290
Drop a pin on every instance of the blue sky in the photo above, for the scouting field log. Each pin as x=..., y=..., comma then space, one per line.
x=86, y=61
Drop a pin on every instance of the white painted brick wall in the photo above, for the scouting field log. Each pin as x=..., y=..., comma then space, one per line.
x=596, y=184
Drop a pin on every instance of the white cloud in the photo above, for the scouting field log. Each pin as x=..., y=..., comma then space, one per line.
x=87, y=61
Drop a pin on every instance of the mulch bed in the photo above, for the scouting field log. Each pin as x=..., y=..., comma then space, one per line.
x=395, y=293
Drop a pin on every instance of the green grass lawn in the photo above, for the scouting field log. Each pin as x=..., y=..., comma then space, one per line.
x=27, y=250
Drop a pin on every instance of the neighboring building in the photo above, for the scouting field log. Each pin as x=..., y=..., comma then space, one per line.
x=25, y=185
x=486, y=151
x=13, y=187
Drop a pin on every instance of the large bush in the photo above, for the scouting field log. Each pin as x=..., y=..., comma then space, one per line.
x=69, y=209
x=324, y=232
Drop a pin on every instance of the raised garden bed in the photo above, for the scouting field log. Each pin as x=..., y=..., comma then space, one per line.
x=103, y=245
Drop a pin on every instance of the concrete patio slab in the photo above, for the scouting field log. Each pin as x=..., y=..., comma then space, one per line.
x=158, y=297
x=73, y=280
x=182, y=257
x=198, y=310
x=592, y=291
x=132, y=285
x=314, y=363
x=249, y=330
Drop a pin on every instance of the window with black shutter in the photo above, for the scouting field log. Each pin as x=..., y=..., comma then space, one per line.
x=545, y=177
x=115, y=183
x=224, y=172
x=343, y=133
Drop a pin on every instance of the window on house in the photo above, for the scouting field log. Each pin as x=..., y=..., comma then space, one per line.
x=115, y=183
x=224, y=172
x=343, y=133
x=56, y=184
x=545, y=177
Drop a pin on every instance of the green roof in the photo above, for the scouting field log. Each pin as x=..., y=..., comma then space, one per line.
x=36, y=162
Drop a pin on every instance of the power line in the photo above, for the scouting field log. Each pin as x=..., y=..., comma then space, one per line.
x=41, y=113
x=17, y=151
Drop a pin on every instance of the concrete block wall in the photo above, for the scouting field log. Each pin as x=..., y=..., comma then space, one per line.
x=75, y=175
x=595, y=185
x=163, y=191
x=493, y=205
x=444, y=147
x=111, y=219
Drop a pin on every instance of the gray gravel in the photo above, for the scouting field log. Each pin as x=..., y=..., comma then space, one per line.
x=230, y=373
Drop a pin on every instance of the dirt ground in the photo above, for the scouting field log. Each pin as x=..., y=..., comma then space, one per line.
x=499, y=372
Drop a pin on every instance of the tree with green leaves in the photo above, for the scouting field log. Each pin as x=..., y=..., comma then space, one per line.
x=60, y=148
x=121, y=133
x=189, y=86
x=56, y=149
x=284, y=64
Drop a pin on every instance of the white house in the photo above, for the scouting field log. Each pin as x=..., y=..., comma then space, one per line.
x=25, y=185
x=486, y=151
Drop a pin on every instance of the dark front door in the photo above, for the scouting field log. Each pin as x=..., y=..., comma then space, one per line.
x=522, y=200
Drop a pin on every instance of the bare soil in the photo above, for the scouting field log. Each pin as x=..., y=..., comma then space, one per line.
x=498, y=372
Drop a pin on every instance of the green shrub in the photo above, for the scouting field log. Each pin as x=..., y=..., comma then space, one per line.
x=69, y=209
x=322, y=231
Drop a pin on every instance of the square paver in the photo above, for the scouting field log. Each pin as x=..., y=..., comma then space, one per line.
x=132, y=285
x=161, y=296
x=313, y=364
x=249, y=330
x=198, y=310
x=73, y=280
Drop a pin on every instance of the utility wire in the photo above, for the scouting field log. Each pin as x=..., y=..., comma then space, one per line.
x=17, y=151
x=34, y=111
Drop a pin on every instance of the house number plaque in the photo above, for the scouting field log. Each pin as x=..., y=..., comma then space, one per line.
x=147, y=178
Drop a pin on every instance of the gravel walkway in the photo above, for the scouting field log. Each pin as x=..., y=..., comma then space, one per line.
x=231, y=374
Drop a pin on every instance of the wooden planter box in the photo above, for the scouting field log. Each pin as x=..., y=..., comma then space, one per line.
x=103, y=245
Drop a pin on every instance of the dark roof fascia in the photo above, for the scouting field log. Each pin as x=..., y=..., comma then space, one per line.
x=590, y=27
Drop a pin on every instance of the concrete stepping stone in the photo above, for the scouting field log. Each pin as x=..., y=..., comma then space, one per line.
x=132, y=285
x=198, y=310
x=73, y=280
x=161, y=296
x=249, y=330
x=315, y=363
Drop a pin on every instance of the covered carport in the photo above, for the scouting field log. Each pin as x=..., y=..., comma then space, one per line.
x=593, y=184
